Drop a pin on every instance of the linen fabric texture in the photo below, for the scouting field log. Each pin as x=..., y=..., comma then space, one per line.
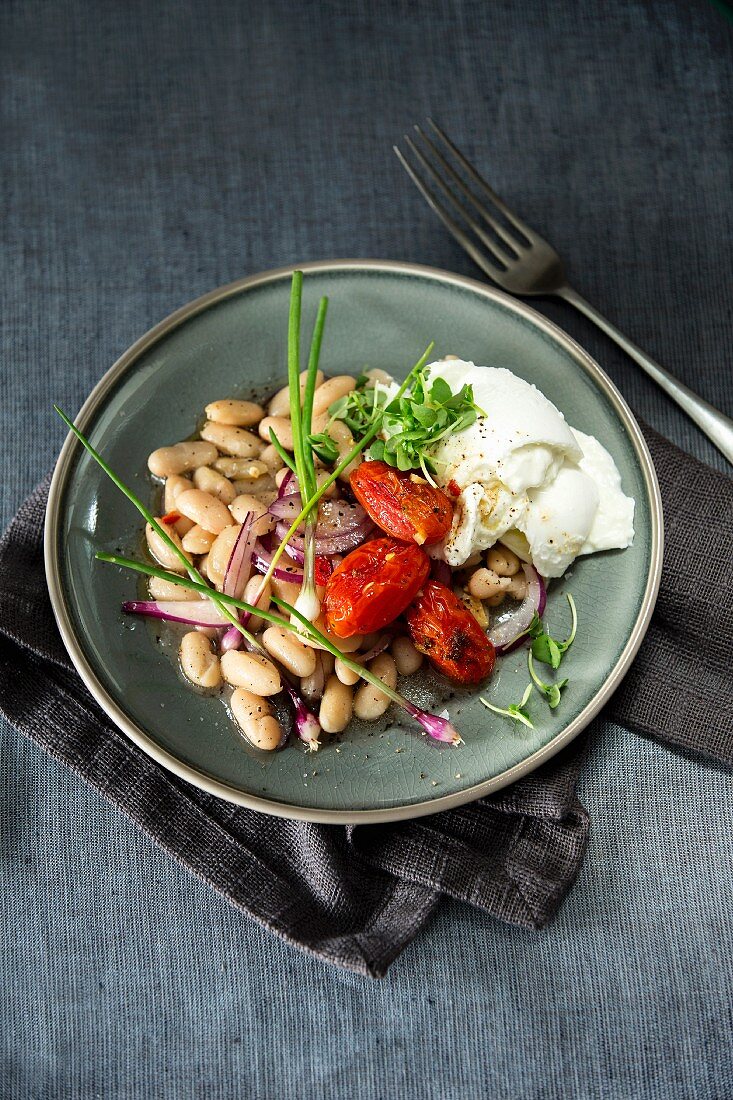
x=355, y=896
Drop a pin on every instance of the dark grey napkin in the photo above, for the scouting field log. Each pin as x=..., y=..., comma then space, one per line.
x=356, y=896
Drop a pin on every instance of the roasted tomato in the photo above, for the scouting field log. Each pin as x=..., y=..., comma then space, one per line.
x=402, y=504
x=373, y=585
x=449, y=636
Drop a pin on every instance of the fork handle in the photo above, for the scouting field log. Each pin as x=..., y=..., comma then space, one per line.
x=716, y=425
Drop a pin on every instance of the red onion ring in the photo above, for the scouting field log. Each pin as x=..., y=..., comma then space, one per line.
x=512, y=631
x=287, y=506
x=190, y=612
x=261, y=559
x=239, y=566
x=327, y=546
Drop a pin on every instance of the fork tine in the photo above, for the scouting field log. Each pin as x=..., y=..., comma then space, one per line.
x=499, y=229
x=523, y=228
x=501, y=254
x=452, y=226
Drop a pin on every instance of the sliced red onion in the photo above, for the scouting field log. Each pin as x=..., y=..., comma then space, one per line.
x=239, y=566
x=289, y=484
x=191, y=612
x=336, y=544
x=512, y=631
x=294, y=553
x=286, y=507
x=261, y=559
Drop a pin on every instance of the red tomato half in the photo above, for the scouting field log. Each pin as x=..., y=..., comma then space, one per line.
x=409, y=509
x=373, y=585
x=449, y=636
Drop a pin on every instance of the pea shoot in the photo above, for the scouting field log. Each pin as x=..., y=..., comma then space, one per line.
x=517, y=711
x=551, y=692
x=547, y=649
x=411, y=423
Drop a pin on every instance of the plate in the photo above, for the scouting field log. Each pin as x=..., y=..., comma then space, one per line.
x=233, y=342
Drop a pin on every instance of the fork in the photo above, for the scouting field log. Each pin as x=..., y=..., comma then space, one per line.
x=520, y=261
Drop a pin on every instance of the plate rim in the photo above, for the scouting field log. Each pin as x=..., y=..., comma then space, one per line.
x=365, y=816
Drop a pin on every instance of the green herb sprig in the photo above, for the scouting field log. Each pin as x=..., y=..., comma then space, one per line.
x=336, y=473
x=147, y=515
x=413, y=422
x=551, y=692
x=547, y=649
x=517, y=711
x=304, y=628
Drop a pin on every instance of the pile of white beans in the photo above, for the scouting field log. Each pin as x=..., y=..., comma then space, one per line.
x=212, y=483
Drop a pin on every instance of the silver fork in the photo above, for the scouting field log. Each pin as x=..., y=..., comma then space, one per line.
x=523, y=263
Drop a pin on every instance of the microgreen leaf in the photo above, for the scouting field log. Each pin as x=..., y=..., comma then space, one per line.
x=546, y=648
x=413, y=422
x=551, y=692
x=516, y=711
x=324, y=447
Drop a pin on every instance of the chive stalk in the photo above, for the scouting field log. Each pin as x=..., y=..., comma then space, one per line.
x=345, y=462
x=437, y=727
x=147, y=515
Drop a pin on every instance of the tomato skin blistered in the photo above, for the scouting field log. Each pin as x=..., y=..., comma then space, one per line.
x=449, y=636
x=402, y=504
x=373, y=585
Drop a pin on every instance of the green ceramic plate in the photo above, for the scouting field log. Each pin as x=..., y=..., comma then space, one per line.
x=233, y=342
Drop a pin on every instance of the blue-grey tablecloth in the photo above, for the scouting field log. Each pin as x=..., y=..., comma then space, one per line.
x=153, y=151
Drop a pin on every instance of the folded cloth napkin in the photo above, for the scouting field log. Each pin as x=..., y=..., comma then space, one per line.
x=356, y=896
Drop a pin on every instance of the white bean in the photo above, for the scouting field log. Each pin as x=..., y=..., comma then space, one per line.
x=503, y=561
x=205, y=510
x=261, y=487
x=220, y=554
x=245, y=503
x=197, y=540
x=284, y=590
x=271, y=458
x=198, y=663
x=241, y=414
x=312, y=686
x=242, y=469
x=406, y=657
x=233, y=441
x=160, y=549
x=369, y=702
x=166, y=590
x=252, y=587
x=174, y=485
x=280, y=404
x=253, y=472
x=211, y=481
x=345, y=674
x=485, y=583
x=250, y=671
x=254, y=717
x=330, y=391
x=336, y=706
x=167, y=461
x=289, y=651
x=282, y=428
